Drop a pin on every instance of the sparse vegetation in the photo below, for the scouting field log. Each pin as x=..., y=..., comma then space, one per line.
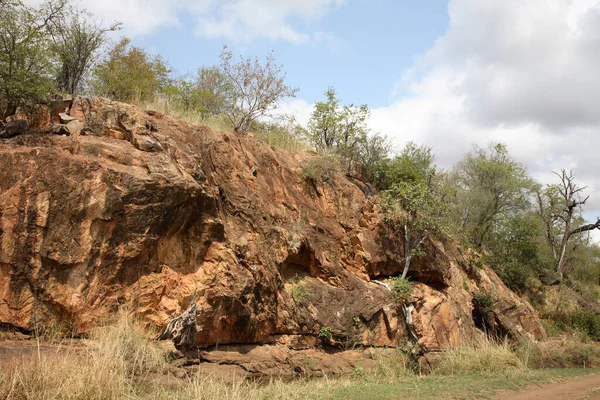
x=584, y=321
x=283, y=132
x=122, y=362
x=401, y=289
x=255, y=89
x=484, y=358
x=325, y=333
x=319, y=168
x=299, y=291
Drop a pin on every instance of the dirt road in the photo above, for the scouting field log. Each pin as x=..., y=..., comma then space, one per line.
x=580, y=388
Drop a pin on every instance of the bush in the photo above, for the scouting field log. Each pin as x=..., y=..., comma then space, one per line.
x=401, y=289
x=325, y=333
x=300, y=293
x=130, y=74
x=319, y=168
x=483, y=302
x=584, y=321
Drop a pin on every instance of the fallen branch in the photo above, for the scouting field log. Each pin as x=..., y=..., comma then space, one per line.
x=182, y=329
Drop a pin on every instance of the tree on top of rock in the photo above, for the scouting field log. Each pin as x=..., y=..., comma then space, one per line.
x=76, y=44
x=25, y=60
x=414, y=205
x=255, y=89
x=130, y=74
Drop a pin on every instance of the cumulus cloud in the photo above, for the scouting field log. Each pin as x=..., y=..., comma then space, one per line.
x=250, y=19
x=522, y=73
x=237, y=20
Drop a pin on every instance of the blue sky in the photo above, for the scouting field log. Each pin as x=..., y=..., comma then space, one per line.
x=446, y=74
x=371, y=44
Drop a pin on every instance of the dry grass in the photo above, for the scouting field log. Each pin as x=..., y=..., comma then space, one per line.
x=216, y=123
x=486, y=357
x=273, y=135
x=109, y=368
x=567, y=351
x=122, y=362
x=283, y=139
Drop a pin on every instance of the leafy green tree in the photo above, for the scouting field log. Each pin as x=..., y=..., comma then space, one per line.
x=212, y=87
x=325, y=121
x=491, y=186
x=416, y=210
x=130, y=74
x=338, y=128
x=374, y=155
x=254, y=89
x=77, y=44
x=343, y=130
x=415, y=205
x=414, y=163
x=205, y=94
x=25, y=57
x=516, y=250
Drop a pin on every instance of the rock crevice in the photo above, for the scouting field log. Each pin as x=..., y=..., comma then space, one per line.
x=143, y=211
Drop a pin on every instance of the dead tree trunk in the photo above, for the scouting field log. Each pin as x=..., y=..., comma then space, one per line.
x=182, y=329
x=407, y=309
x=571, y=196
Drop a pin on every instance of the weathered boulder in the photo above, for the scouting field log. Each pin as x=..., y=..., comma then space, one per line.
x=66, y=118
x=147, y=212
x=14, y=128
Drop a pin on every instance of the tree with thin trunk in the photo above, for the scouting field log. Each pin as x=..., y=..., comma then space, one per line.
x=255, y=89
x=559, y=207
x=491, y=186
x=25, y=56
x=416, y=210
x=130, y=74
x=77, y=44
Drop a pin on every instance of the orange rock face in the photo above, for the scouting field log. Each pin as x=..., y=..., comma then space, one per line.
x=146, y=212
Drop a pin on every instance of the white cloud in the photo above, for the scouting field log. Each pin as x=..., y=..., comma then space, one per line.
x=523, y=73
x=245, y=20
x=297, y=108
x=237, y=20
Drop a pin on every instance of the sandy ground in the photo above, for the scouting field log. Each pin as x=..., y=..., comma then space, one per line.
x=584, y=387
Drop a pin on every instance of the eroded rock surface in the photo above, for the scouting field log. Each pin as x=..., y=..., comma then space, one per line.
x=143, y=211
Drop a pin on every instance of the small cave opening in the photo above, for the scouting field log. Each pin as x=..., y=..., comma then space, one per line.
x=485, y=319
x=8, y=329
x=480, y=318
x=300, y=264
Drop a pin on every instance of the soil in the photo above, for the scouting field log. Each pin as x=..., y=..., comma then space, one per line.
x=13, y=352
x=585, y=387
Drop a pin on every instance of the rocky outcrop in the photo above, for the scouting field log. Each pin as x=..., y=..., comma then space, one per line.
x=143, y=211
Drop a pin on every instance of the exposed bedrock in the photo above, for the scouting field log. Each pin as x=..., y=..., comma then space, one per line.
x=138, y=210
